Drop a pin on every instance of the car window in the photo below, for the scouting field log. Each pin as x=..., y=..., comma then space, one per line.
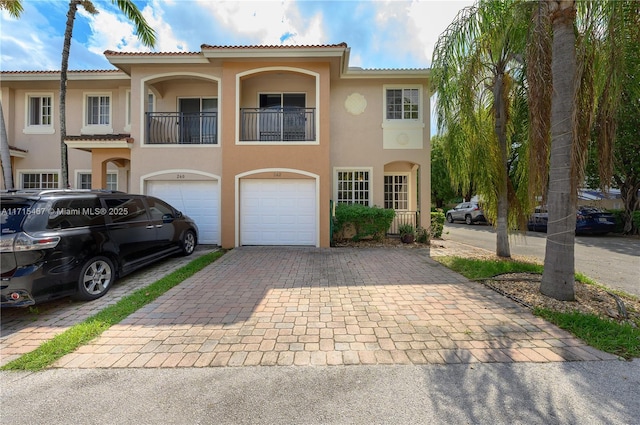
x=12, y=216
x=125, y=210
x=159, y=209
x=69, y=213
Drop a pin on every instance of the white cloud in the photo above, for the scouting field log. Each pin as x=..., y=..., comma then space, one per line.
x=166, y=40
x=110, y=30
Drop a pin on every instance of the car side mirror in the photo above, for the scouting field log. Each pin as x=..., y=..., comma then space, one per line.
x=167, y=218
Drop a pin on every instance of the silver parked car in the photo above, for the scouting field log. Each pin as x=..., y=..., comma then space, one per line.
x=469, y=212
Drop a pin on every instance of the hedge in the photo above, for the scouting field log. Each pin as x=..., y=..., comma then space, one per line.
x=362, y=221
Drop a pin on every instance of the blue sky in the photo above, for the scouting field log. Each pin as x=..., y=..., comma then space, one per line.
x=381, y=34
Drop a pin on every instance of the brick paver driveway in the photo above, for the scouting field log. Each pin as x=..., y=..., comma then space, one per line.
x=341, y=306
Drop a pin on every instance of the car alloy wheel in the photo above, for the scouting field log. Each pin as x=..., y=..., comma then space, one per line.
x=188, y=243
x=96, y=278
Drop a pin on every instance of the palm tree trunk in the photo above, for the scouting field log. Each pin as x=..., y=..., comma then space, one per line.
x=500, y=128
x=5, y=154
x=559, y=266
x=68, y=32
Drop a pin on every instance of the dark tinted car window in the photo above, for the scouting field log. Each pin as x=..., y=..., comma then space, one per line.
x=12, y=215
x=68, y=213
x=159, y=209
x=125, y=210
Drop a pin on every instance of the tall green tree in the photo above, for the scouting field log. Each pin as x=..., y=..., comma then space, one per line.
x=145, y=34
x=585, y=90
x=14, y=7
x=477, y=65
x=442, y=190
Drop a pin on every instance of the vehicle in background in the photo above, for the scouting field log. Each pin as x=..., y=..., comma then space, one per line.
x=589, y=221
x=469, y=212
x=55, y=243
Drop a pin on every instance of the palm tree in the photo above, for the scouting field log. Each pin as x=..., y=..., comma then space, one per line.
x=14, y=7
x=145, y=33
x=587, y=77
x=476, y=68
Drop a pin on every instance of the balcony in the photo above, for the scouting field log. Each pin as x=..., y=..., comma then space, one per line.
x=276, y=124
x=182, y=128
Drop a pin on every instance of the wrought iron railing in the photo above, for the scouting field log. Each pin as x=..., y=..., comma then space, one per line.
x=182, y=128
x=288, y=124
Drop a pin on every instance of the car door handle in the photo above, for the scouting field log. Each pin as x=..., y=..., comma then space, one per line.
x=158, y=226
x=151, y=226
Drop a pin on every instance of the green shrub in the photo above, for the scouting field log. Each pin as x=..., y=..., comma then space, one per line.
x=422, y=235
x=619, y=220
x=636, y=220
x=437, y=224
x=360, y=221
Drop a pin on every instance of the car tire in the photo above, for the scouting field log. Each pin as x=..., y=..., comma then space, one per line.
x=96, y=278
x=467, y=219
x=449, y=218
x=188, y=242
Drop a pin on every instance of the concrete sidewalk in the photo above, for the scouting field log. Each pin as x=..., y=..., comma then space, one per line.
x=343, y=306
x=594, y=393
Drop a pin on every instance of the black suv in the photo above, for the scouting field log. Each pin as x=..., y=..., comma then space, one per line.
x=55, y=243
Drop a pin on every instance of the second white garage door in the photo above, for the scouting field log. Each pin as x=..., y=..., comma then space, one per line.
x=278, y=212
x=197, y=199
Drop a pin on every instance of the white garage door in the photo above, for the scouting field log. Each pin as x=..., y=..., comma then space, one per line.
x=278, y=212
x=197, y=199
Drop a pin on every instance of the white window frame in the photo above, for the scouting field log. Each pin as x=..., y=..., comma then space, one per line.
x=419, y=117
x=80, y=173
x=337, y=183
x=22, y=173
x=408, y=191
x=38, y=128
x=96, y=128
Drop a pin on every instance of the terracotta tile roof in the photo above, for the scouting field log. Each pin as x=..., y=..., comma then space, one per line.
x=79, y=71
x=101, y=138
x=277, y=46
x=114, y=53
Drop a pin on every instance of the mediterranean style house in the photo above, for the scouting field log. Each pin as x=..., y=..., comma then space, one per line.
x=255, y=143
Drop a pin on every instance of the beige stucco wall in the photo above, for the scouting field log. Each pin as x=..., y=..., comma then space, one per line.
x=44, y=148
x=241, y=159
x=357, y=139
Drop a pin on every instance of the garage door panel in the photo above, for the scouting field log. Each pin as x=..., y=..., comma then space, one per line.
x=197, y=199
x=278, y=212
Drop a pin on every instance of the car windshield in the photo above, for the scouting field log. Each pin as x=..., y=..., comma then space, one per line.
x=12, y=216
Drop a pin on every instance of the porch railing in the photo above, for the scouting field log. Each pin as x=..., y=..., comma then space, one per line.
x=182, y=128
x=404, y=217
x=277, y=124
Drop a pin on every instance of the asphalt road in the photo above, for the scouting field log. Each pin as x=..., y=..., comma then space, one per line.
x=597, y=392
x=613, y=261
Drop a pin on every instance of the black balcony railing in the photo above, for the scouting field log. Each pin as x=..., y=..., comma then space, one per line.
x=182, y=128
x=275, y=124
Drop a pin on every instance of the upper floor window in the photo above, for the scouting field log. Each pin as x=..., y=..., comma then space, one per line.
x=353, y=187
x=98, y=110
x=39, y=113
x=97, y=114
x=402, y=103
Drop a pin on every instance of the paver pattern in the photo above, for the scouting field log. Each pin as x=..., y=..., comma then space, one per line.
x=308, y=306
x=23, y=329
